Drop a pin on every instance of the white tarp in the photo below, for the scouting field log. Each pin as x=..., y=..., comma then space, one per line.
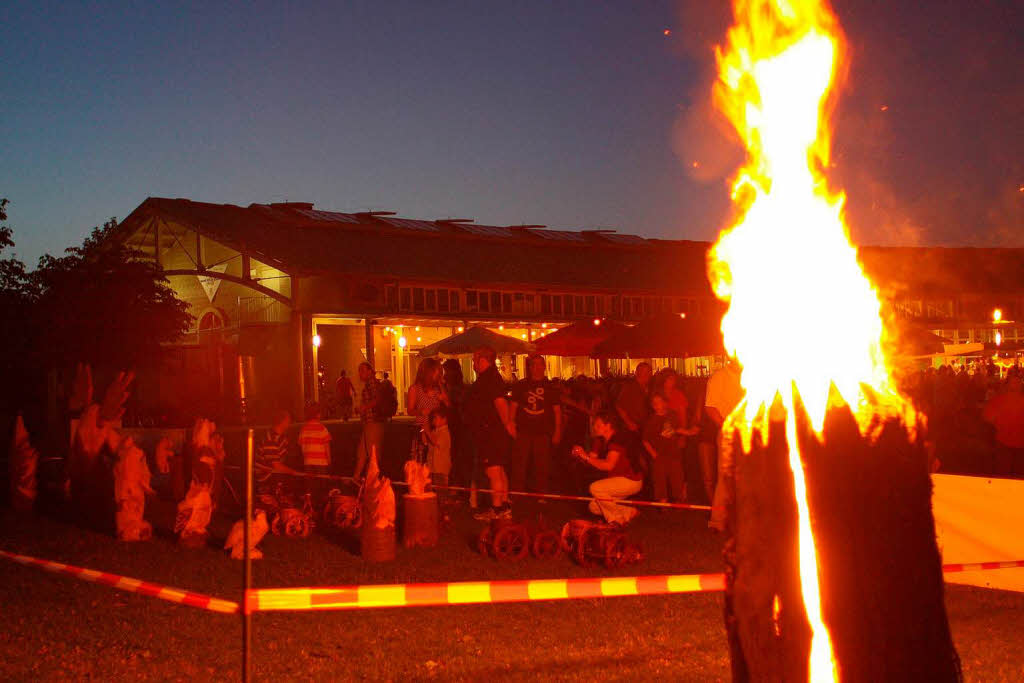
x=980, y=519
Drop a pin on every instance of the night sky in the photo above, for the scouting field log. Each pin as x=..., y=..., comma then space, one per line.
x=571, y=114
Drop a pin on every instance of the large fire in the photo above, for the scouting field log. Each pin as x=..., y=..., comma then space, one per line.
x=803, y=319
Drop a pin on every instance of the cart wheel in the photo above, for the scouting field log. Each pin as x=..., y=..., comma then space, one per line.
x=588, y=547
x=566, y=537
x=547, y=545
x=483, y=542
x=298, y=526
x=511, y=543
x=615, y=552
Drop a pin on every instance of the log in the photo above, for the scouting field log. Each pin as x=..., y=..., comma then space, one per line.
x=420, y=523
x=880, y=571
x=377, y=544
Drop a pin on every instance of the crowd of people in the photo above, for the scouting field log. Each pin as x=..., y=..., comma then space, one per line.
x=649, y=435
x=975, y=417
x=610, y=437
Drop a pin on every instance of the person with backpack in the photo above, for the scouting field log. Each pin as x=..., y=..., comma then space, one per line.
x=373, y=411
x=623, y=468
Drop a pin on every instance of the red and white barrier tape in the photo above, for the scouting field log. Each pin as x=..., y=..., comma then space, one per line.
x=476, y=592
x=125, y=583
x=423, y=594
x=975, y=566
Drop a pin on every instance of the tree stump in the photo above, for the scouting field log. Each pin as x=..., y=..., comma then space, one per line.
x=880, y=572
x=377, y=544
x=420, y=520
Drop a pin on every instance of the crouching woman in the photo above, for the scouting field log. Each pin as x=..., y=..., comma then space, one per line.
x=624, y=477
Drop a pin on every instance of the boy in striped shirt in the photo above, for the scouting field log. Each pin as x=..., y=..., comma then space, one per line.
x=315, y=443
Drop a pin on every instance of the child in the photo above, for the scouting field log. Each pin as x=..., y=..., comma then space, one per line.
x=315, y=444
x=439, y=446
x=660, y=439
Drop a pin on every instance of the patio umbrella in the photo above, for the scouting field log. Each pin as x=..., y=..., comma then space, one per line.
x=578, y=339
x=465, y=343
x=665, y=336
x=908, y=338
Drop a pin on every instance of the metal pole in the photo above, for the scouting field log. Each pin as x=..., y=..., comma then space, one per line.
x=247, y=563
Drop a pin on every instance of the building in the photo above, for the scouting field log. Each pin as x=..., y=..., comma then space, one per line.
x=286, y=296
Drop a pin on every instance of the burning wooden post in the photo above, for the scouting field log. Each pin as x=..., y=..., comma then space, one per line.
x=377, y=535
x=833, y=570
x=880, y=572
x=420, y=519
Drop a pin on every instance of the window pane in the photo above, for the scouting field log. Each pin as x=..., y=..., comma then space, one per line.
x=485, y=302
x=417, y=299
x=556, y=304
x=431, y=299
x=453, y=299
x=442, y=300
x=545, y=304
x=506, y=303
x=406, y=299
x=590, y=304
x=495, y=302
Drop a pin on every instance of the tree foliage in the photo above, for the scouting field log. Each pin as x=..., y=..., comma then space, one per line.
x=102, y=303
x=98, y=303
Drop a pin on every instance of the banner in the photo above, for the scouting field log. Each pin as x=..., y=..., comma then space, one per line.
x=980, y=518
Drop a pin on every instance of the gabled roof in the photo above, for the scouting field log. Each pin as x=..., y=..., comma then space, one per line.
x=301, y=240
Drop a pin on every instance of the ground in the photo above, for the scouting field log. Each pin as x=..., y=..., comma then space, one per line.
x=61, y=628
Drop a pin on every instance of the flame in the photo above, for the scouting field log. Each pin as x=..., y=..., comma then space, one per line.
x=803, y=319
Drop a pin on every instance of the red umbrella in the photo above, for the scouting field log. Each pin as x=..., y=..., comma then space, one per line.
x=578, y=339
x=665, y=336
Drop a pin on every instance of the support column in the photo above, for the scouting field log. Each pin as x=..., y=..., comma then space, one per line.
x=298, y=364
x=369, y=343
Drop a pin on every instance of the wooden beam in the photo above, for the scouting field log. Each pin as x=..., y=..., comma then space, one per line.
x=277, y=296
x=246, y=265
x=199, y=251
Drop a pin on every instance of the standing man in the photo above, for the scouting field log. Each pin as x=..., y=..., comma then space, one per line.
x=537, y=411
x=372, y=416
x=346, y=395
x=491, y=429
x=633, y=402
x=723, y=394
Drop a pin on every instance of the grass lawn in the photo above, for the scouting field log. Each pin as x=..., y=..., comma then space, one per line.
x=61, y=628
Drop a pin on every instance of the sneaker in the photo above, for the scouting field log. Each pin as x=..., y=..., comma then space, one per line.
x=485, y=515
x=505, y=512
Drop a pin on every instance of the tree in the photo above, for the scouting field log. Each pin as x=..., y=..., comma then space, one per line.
x=103, y=303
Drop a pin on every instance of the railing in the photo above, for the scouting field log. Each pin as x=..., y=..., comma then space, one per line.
x=262, y=310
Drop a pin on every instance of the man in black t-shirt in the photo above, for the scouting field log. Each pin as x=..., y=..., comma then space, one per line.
x=536, y=406
x=488, y=422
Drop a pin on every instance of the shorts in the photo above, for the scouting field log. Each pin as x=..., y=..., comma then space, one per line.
x=493, y=449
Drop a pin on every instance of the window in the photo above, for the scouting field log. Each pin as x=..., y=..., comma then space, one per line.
x=431, y=300
x=417, y=299
x=453, y=301
x=495, y=302
x=391, y=296
x=406, y=299
x=556, y=304
x=471, y=299
x=615, y=305
x=545, y=304
x=485, y=303
x=506, y=303
x=442, y=300
x=568, y=304
x=577, y=304
x=591, y=306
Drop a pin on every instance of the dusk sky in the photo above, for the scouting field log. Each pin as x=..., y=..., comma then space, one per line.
x=570, y=114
